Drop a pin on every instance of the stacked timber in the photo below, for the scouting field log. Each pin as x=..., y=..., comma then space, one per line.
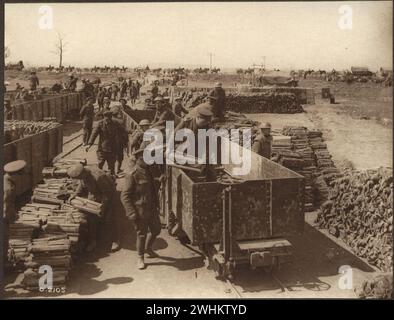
x=269, y=102
x=51, y=251
x=263, y=102
x=18, y=129
x=359, y=210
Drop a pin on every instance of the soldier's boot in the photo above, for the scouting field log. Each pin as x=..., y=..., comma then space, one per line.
x=149, y=243
x=141, y=263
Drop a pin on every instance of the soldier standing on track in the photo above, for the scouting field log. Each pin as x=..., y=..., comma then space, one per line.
x=11, y=169
x=155, y=91
x=97, y=186
x=139, y=198
x=87, y=115
x=33, y=80
x=123, y=137
x=179, y=110
x=107, y=130
x=262, y=145
x=100, y=98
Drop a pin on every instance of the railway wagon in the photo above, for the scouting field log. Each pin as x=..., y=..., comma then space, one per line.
x=245, y=222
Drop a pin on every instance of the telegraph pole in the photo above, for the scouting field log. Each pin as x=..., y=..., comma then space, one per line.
x=210, y=60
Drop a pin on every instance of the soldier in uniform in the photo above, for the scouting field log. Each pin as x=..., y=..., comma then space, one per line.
x=220, y=102
x=123, y=136
x=139, y=198
x=108, y=132
x=137, y=137
x=100, y=98
x=97, y=186
x=179, y=110
x=87, y=115
x=11, y=169
x=163, y=113
x=155, y=91
x=33, y=80
x=262, y=144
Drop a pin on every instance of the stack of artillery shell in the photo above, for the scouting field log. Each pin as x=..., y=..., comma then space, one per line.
x=60, y=167
x=269, y=102
x=18, y=252
x=360, y=212
x=87, y=206
x=51, y=251
x=17, y=129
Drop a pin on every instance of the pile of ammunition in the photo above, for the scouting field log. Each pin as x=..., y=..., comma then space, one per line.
x=60, y=167
x=268, y=102
x=17, y=129
x=51, y=251
x=360, y=211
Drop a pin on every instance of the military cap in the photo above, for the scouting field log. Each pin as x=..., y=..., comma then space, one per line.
x=166, y=98
x=122, y=99
x=265, y=125
x=6, y=83
x=158, y=98
x=218, y=85
x=14, y=166
x=107, y=112
x=203, y=110
x=144, y=122
x=75, y=171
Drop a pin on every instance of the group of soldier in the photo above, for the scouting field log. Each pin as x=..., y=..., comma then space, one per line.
x=140, y=193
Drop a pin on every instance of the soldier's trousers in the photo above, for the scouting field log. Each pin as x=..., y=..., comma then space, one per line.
x=108, y=157
x=142, y=226
x=87, y=131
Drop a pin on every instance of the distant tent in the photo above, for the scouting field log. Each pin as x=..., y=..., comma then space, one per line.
x=360, y=71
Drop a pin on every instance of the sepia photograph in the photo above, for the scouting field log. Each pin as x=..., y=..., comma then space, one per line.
x=197, y=150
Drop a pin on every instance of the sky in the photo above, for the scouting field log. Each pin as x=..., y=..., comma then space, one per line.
x=295, y=35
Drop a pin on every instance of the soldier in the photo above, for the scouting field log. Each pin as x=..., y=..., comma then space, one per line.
x=87, y=115
x=72, y=83
x=108, y=131
x=166, y=93
x=263, y=142
x=11, y=169
x=115, y=91
x=106, y=103
x=123, y=105
x=179, y=110
x=155, y=91
x=200, y=118
x=139, y=198
x=163, y=114
x=33, y=80
x=220, y=102
x=122, y=139
x=100, y=98
x=123, y=88
x=97, y=186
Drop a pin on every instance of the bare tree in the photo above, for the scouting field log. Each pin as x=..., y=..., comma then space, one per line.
x=60, y=48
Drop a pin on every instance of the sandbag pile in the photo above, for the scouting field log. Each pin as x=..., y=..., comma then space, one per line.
x=269, y=102
x=17, y=129
x=52, y=251
x=359, y=211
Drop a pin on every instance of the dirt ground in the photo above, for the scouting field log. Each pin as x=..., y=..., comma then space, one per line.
x=356, y=129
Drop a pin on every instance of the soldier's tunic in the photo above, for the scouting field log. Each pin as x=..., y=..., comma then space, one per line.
x=108, y=132
x=218, y=110
x=9, y=210
x=87, y=115
x=100, y=187
x=123, y=139
x=262, y=145
x=155, y=91
x=139, y=198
